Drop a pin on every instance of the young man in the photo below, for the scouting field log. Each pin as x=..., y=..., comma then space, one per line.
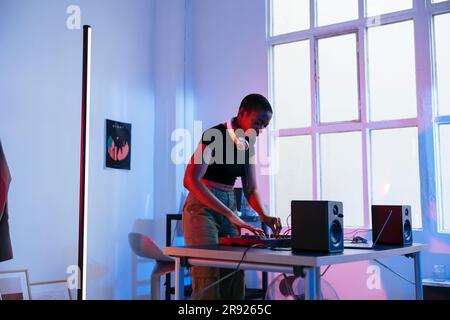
x=225, y=152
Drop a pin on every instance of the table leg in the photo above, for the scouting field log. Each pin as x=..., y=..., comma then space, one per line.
x=317, y=280
x=310, y=283
x=179, y=280
x=168, y=240
x=418, y=276
x=168, y=286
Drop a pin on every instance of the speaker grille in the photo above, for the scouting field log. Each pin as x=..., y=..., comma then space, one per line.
x=336, y=233
x=407, y=230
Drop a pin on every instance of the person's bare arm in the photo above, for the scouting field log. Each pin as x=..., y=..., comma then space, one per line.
x=195, y=171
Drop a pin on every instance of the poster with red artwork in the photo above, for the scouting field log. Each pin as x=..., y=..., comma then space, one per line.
x=118, y=144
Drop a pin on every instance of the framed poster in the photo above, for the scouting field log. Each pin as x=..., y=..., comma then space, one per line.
x=14, y=285
x=118, y=145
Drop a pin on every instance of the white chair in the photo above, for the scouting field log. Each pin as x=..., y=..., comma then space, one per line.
x=144, y=247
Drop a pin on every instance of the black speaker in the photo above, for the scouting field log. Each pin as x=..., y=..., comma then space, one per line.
x=397, y=230
x=317, y=226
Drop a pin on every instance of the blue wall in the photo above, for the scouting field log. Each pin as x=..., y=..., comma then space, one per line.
x=40, y=81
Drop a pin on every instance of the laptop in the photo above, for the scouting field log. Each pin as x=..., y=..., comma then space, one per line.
x=368, y=244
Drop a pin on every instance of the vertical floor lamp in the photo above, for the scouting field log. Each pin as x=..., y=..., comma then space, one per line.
x=84, y=163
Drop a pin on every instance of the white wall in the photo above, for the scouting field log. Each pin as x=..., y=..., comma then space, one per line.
x=122, y=89
x=228, y=55
x=169, y=84
x=137, y=77
x=228, y=59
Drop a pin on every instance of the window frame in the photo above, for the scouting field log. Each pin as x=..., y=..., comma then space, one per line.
x=421, y=14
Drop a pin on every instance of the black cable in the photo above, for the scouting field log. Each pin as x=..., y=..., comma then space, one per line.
x=227, y=276
x=212, y=285
x=325, y=270
x=289, y=286
x=355, y=240
x=243, y=256
x=355, y=232
x=287, y=221
x=377, y=261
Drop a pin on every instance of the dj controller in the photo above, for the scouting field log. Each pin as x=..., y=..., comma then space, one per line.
x=270, y=241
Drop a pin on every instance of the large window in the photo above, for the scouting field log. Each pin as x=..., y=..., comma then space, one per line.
x=350, y=84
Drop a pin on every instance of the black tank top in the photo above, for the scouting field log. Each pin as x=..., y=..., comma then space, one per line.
x=227, y=162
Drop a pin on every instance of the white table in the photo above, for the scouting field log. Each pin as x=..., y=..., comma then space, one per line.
x=303, y=264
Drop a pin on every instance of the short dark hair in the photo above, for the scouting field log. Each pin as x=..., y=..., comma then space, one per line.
x=255, y=102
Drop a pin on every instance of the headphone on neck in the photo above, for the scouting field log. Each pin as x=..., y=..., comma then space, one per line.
x=240, y=142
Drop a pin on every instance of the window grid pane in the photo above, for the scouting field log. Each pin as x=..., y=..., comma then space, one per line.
x=378, y=7
x=391, y=68
x=292, y=173
x=289, y=16
x=442, y=51
x=341, y=160
x=292, y=85
x=444, y=170
x=395, y=169
x=332, y=11
x=338, y=79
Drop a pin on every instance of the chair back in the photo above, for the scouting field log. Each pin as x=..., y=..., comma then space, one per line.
x=145, y=247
